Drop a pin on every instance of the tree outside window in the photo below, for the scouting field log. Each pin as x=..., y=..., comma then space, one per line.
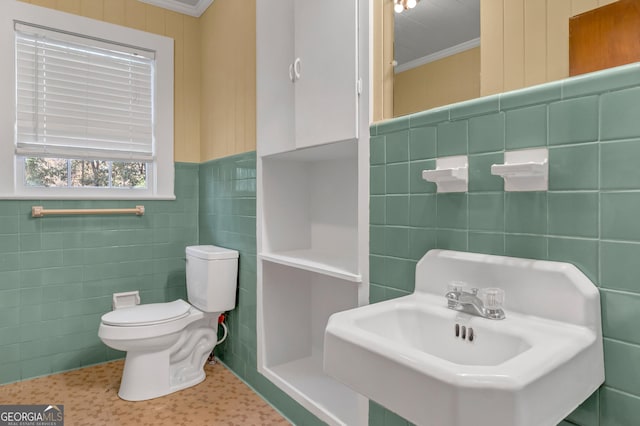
x=74, y=173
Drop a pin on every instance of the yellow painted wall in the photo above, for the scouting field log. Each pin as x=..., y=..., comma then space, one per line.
x=228, y=85
x=185, y=31
x=382, y=59
x=526, y=42
x=448, y=80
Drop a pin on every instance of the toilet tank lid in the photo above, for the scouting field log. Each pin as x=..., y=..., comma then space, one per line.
x=211, y=252
x=149, y=314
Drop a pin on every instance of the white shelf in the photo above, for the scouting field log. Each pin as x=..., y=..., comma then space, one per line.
x=304, y=380
x=524, y=170
x=328, y=152
x=450, y=175
x=315, y=261
x=528, y=169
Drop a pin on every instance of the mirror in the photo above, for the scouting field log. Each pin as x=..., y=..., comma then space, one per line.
x=436, y=49
x=524, y=44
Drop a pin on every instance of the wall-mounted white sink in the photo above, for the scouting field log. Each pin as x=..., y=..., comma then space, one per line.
x=531, y=368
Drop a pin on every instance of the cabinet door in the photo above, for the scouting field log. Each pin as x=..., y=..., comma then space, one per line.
x=274, y=88
x=326, y=55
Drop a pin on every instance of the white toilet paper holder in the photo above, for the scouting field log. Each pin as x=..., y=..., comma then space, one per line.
x=126, y=299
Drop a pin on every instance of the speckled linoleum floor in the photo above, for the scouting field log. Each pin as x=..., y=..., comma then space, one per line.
x=89, y=396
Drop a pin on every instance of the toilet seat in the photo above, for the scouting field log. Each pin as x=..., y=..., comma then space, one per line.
x=146, y=315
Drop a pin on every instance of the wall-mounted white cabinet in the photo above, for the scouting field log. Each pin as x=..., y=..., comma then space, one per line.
x=312, y=191
x=326, y=56
x=308, y=51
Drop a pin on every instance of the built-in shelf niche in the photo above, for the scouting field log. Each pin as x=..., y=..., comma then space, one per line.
x=310, y=215
x=312, y=137
x=295, y=310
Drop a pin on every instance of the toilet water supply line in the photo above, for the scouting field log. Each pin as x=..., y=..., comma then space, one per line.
x=221, y=319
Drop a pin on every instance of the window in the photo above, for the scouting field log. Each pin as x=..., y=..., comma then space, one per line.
x=45, y=172
x=93, y=115
x=89, y=103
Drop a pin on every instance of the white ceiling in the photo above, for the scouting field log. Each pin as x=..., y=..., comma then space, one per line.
x=188, y=7
x=433, y=26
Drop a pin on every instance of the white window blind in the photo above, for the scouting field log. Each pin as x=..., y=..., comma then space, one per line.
x=82, y=98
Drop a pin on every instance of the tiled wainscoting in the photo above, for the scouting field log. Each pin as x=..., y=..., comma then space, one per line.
x=228, y=219
x=589, y=216
x=58, y=274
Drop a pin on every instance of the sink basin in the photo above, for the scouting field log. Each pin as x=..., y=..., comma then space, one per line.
x=534, y=367
x=430, y=328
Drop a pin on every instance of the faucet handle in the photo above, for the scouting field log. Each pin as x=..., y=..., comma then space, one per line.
x=492, y=298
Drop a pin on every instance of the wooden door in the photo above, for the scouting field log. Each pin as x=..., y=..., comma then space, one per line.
x=605, y=37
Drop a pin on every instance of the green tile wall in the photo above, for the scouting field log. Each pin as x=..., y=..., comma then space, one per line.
x=588, y=217
x=57, y=274
x=227, y=218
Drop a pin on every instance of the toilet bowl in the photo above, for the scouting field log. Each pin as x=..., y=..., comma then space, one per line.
x=167, y=344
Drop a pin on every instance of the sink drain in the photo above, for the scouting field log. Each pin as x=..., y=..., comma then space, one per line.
x=465, y=333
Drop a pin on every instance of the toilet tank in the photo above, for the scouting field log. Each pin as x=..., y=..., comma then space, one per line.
x=212, y=274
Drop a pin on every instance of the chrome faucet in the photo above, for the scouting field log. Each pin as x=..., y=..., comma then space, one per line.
x=486, y=302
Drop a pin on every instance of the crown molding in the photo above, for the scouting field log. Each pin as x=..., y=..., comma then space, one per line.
x=458, y=48
x=180, y=7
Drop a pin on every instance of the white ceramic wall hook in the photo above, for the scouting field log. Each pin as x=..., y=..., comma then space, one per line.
x=524, y=170
x=450, y=175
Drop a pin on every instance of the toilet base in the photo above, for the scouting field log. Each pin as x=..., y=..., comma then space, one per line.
x=142, y=379
x=153, y=374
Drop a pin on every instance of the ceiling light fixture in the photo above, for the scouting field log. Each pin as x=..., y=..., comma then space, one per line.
x=402, y=5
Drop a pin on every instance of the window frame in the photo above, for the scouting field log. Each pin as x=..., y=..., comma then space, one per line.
x=160, y=184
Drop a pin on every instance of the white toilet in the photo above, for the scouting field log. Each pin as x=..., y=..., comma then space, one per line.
x=167, y=344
